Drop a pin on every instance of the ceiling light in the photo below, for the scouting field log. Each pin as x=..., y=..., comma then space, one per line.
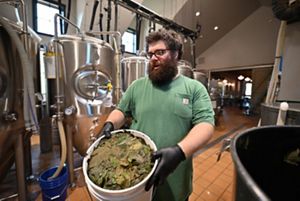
x=241, y=77
x=247, y=79
x=197, y=13
x=216, y=28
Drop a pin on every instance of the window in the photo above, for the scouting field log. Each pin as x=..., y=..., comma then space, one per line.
x=129, y=41
x=43, y=15
x=248, y=90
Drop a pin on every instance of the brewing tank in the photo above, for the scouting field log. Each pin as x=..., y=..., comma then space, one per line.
x=184, y=68
x=133, y=68
x=87, y=81
x=201, y=77
x=16, y=61
x=11, y=106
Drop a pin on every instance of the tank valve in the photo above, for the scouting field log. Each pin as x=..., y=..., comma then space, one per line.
x=10, y=116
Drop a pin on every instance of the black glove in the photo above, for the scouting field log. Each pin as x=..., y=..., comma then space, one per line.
x=107, y=128
x=169, y=159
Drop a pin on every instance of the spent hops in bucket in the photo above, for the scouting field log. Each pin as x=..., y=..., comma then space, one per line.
x=120, y=162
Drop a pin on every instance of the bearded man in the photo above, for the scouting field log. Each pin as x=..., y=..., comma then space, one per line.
x=173, y=110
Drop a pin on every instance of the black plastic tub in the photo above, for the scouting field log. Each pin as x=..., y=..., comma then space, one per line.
x=266, y=164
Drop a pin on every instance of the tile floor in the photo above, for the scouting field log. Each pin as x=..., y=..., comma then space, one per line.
x=213, y=180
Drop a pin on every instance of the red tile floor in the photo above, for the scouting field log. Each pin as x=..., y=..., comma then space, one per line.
x=213, y=180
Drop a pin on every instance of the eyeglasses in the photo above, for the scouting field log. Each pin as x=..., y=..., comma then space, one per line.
x=157, y=53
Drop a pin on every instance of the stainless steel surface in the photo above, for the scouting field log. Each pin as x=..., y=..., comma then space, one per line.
x=201, y=77
x=10, y=93
x=87, y=80
x=132, y=69
x=185, y=68
x=16, y=44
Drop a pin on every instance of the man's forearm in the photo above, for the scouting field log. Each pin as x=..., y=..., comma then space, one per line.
x=117, y=118
x=198, y=136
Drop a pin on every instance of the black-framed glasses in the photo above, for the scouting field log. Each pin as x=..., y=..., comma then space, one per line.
x=157, y=53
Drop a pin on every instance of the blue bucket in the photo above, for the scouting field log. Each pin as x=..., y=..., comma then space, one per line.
x=56, y=188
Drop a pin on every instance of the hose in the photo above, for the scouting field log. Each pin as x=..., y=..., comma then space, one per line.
x=96, y=2
x=68, y=15
x=108, y=19
x=63, y=143
x=30, y=116
x=101, y=20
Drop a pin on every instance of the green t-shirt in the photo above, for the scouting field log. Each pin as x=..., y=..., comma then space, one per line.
x=166, y=114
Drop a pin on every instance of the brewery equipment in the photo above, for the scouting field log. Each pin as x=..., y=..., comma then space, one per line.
x=185, y=68
x=87, y=86
x=201, y=77
x=133, y=68
x=17, y=97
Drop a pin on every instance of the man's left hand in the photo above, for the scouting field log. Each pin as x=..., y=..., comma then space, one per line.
x=169, y=159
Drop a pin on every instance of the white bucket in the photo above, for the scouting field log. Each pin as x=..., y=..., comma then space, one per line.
x=134, y=193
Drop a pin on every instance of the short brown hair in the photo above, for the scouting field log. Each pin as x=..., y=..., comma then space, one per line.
x=172, y=40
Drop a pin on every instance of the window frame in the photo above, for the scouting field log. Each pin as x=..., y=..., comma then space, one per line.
x=131, y=31
x=61, y=8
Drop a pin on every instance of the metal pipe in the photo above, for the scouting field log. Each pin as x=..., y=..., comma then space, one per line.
x=151, y=15
x=57, y=63
x=65, y=19
x=20, y=169
x=25, y=23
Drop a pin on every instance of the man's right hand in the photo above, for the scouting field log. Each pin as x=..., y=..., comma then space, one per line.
x=108, y=127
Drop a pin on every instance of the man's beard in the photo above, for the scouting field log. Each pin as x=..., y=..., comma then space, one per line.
x=164, y=74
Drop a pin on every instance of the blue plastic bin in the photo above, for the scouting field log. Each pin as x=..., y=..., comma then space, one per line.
x=54, y=189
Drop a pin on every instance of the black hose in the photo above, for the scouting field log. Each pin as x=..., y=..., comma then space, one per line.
x=283, y=11
x=96, y=2
x=68, y=15
x=101, y=19
x=108, y=19
x=60, y=12
x=138, y=30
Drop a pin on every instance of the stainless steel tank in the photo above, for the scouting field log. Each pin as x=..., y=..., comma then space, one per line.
x=201, y=77
x=87, y=77
x=185, y=68
x=11, y=106
x=17, y=62
x=133, y=68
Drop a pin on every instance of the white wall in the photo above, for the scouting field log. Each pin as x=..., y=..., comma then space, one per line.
x=252, y=42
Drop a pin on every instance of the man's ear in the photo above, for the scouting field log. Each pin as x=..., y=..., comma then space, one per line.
x=176, y=55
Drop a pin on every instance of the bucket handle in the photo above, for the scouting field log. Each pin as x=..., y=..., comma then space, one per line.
x=56, y=196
